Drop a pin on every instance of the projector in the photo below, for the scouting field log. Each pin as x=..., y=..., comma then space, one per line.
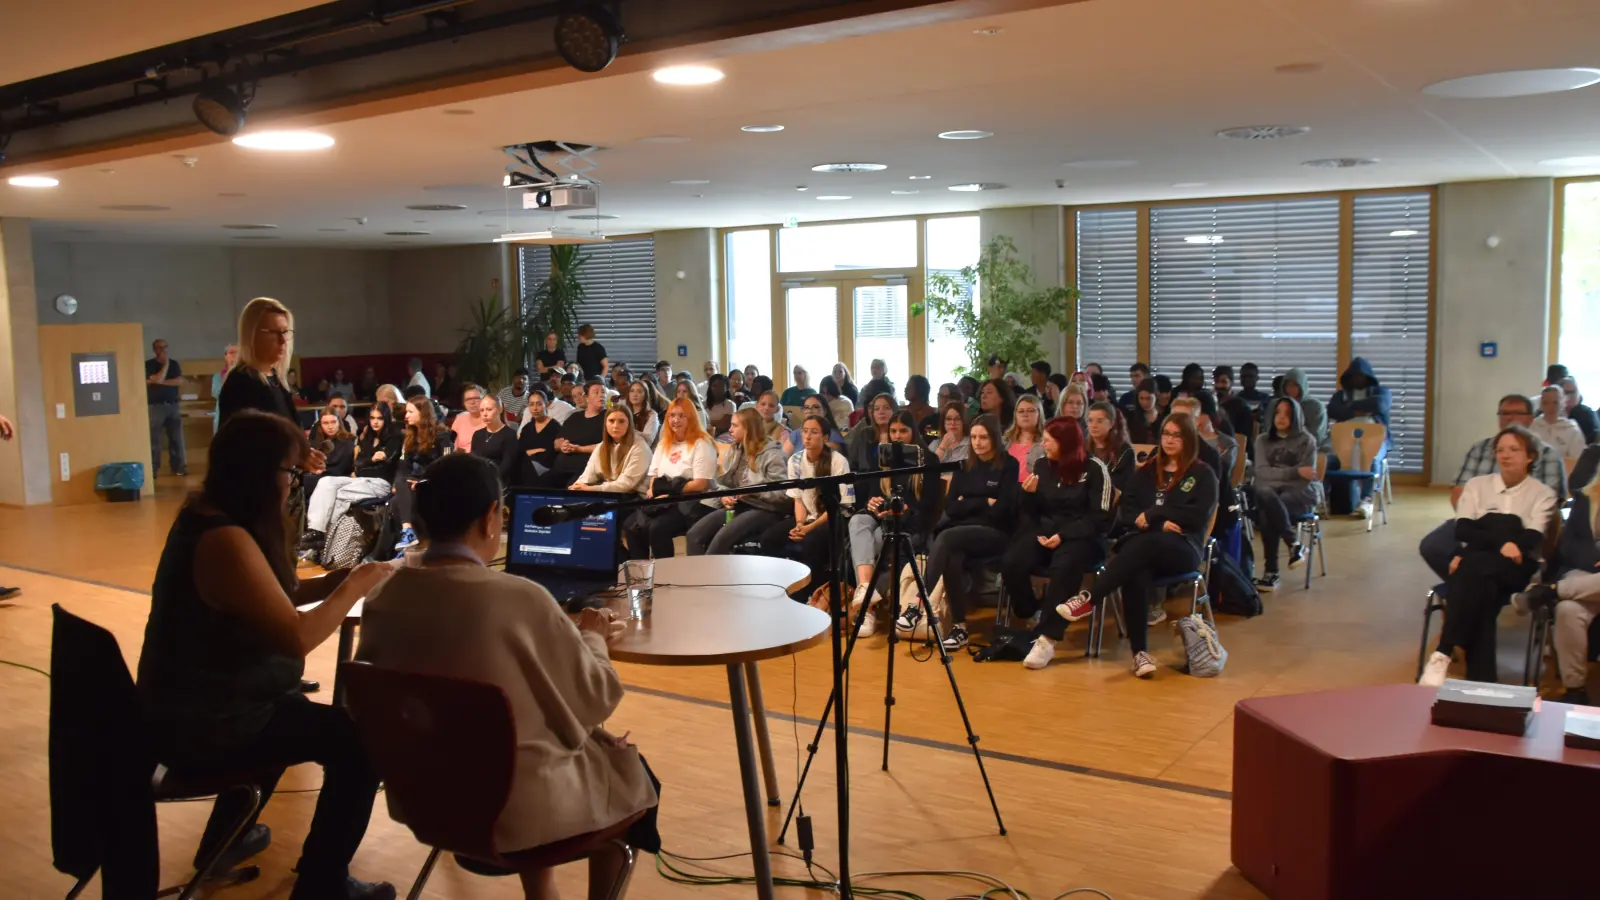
x=557, y=199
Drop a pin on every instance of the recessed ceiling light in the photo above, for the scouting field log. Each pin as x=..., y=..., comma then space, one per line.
x=988, y=32
x=1339, y=162
x=460, y=112
x=1571, y=161
x=32, y=181
x=664, y=139
x=972, y=187
x=406, y=233
x=1263, y=132
x=346, y=229
x=436, y=207
x=690, y=181
x=284, y=140
x=965, y=135
x=832, y=197
x=136, y=207
x=593, y=217
x=250, y=226
x=1299, y=68
x=920, y=177
x=1100, y=164
x=1189, y=184
x=687, y=75
x=1203, y=239
x=849, y=167
x=761, y=129
x=906, y=193
x=1404, y=232
x=1523, y=83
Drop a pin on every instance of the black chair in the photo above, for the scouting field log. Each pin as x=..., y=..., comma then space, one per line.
x=1434, y=603
x=105, y=782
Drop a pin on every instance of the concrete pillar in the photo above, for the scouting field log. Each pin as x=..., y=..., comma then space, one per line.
x=688, y=292
x=24, y=460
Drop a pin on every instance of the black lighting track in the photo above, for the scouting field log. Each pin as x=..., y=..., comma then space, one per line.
x=252, y=53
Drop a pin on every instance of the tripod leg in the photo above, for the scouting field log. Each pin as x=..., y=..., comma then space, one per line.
x=966, y=722
x=891, y=553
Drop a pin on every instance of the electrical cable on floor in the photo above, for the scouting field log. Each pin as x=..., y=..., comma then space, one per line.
x=18, y=665
x=667, y=866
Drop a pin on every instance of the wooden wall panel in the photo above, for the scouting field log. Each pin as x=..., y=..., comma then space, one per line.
x=95, y=440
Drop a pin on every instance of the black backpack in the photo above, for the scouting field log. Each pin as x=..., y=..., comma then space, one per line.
x=1008, y=645
x=1231, y=590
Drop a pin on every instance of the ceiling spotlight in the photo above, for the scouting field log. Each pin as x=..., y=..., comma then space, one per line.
x=975, y=186
x=1263, y=132
x=761, y=129
x=965, y=135
x=1404, y=232
x=687, y=75
x=832, y=197
x=284, y=140
x=920, y=177
x=588, y=37
x=32, y=181
x=1339, y=162
x=220, y=109
x=849, y=167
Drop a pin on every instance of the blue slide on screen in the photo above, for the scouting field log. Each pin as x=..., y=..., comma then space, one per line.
x=587, y=543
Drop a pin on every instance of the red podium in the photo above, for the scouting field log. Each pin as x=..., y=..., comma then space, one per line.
x=1355, y=795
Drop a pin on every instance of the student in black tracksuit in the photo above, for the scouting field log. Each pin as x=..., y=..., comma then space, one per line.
x=1165, y=509
x=1066, y=505
x=980, y=511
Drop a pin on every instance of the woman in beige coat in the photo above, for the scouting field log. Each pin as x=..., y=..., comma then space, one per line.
x=454, y=616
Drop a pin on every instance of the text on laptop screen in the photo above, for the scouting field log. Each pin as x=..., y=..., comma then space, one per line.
x=588, y=543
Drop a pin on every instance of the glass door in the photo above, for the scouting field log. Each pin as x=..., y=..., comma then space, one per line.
x=811, y=329
x=878, y=313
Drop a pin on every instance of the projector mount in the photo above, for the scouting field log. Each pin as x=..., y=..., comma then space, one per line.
x=575, y=159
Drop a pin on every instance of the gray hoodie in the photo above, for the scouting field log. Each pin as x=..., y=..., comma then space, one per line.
x=1315, y=417
x=770, y=465
x=1278, y=460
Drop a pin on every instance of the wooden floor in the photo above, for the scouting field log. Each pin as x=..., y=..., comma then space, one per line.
x=1104, y=780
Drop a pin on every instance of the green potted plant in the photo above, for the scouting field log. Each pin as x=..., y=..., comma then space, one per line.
x=553, y=305
x=996, y=306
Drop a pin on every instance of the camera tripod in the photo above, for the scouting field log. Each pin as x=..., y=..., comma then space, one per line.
x=895, y=539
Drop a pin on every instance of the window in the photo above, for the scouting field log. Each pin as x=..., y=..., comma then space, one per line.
x=1246, y=282
x=1108, y=286
x=1389, y=312
x=812, y=330
x=855, y=245
x=953, y=245
x=880, y=331
x=620, y=280
x=750, y=300
x=1580, y=285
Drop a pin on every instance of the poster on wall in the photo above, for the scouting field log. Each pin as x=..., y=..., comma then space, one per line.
x=94, y=384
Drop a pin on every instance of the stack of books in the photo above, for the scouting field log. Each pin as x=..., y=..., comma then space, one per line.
x=1583, y=729
x=1478, y=706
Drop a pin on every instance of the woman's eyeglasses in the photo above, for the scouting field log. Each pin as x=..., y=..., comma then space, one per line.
x=285, y=334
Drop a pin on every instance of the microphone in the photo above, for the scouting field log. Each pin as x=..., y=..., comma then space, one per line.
x=558, y=513
x=326, y=447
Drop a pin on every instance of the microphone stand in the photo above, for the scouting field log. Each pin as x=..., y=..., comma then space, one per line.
x=832, y=504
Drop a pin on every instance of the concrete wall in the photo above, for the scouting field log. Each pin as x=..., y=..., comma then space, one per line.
x=688, y=291
x=1038, y=232
x=24, y=460
x=431, y=292
x=1499, y=294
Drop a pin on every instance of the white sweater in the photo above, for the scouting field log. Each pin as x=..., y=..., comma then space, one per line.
x=630, y=478
x=1562, y=434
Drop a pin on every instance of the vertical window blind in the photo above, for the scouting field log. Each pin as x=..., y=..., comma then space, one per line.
x=620, y=281
x=1108, y=287
x=1244, y=282
x=1389, y=311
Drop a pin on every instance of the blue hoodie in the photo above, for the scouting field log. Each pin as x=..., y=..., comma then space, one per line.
x=1343, y=408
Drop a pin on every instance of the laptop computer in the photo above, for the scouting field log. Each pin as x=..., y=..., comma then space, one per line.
x=569, y=559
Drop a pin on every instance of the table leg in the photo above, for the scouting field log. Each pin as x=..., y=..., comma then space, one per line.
x=758, y=707
x=347, y=651
x=753, y=813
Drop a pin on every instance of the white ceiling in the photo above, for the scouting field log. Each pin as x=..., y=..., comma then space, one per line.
x=1143, y=81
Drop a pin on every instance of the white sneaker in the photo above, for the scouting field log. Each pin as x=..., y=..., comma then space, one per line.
x=1365, y=509
x=1044, y=650
x=1144, y=665
x=869, y=625
x=1437, y=670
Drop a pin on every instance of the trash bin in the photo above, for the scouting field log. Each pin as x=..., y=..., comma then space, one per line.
x=121, y=481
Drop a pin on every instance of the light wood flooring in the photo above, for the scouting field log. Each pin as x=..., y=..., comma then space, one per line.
x=1104, y=780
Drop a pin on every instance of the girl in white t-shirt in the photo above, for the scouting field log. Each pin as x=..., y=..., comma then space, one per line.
x=804, y=535
x=685, y=462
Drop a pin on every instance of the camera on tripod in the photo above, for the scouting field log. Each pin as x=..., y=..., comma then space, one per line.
x=899, y=455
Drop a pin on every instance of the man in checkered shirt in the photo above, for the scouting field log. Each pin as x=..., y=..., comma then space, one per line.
x=1441, y=546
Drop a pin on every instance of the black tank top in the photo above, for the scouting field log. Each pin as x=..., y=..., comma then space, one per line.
x=209, y=679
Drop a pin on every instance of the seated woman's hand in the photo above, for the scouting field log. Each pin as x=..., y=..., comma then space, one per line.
x=1142, y=523
x=1308, y=473
x=367, y=576
x=1512, y=552
x=316, y=462
x=602, y=622
x=1455, y=564
x=875, y=504
x=729, y=502
x=379, y=456
x=797, y=533
x=1051, y=542
x=1171, y=526
x=1031, y=485
x=579, y=486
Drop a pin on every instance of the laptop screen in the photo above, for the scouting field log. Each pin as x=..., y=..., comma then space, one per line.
x=582, y=545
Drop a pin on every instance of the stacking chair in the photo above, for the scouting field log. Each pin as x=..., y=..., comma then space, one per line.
x=105, y=783
x=1357, y=444
x=794, y=415
x=1198, y=582
x=1308, y=525
x=445, y=749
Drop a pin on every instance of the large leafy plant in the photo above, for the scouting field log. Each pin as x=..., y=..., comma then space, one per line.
x=489, y=345
x=553, y=305
x=996, y=306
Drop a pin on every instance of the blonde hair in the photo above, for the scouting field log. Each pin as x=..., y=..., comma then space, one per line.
x=755, y=435
x=1015, y=434
x=392, y=391
x=250, y=322
x=614, y=454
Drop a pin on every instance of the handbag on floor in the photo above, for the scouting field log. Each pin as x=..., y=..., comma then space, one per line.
x=1202, y=646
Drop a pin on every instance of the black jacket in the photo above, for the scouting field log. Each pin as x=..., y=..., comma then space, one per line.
x=1227, y=500
x=1491, y=531
x=1578, y=549
x=246, y=389
x=1076, y=512
x=1583, y=471
x=341, y=459
x=370, y=444
x=1122, y=469
x=412, y=464
x=1188, y=502
x=967, y=502
x=1588, y=422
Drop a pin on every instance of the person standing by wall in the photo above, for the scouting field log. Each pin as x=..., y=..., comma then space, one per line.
x=162, y=375
x=230, y=358
x=591, y=355
x=414, y=369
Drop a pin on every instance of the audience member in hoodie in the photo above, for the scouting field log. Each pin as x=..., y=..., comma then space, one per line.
x=1312, y=412
x=1286, y=472
x=752, y=459
x=1360, y=398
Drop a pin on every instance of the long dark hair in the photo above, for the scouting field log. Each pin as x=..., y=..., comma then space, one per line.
x=1186, y=457
x=1116, y=439
x=824, y=464
x=1008, y=400
x=907, y=420
x=246, y=456
x=1068, y=435
x=381, y=409
x=997, y=440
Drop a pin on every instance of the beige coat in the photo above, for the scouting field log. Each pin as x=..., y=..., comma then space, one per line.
x=471, y=622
